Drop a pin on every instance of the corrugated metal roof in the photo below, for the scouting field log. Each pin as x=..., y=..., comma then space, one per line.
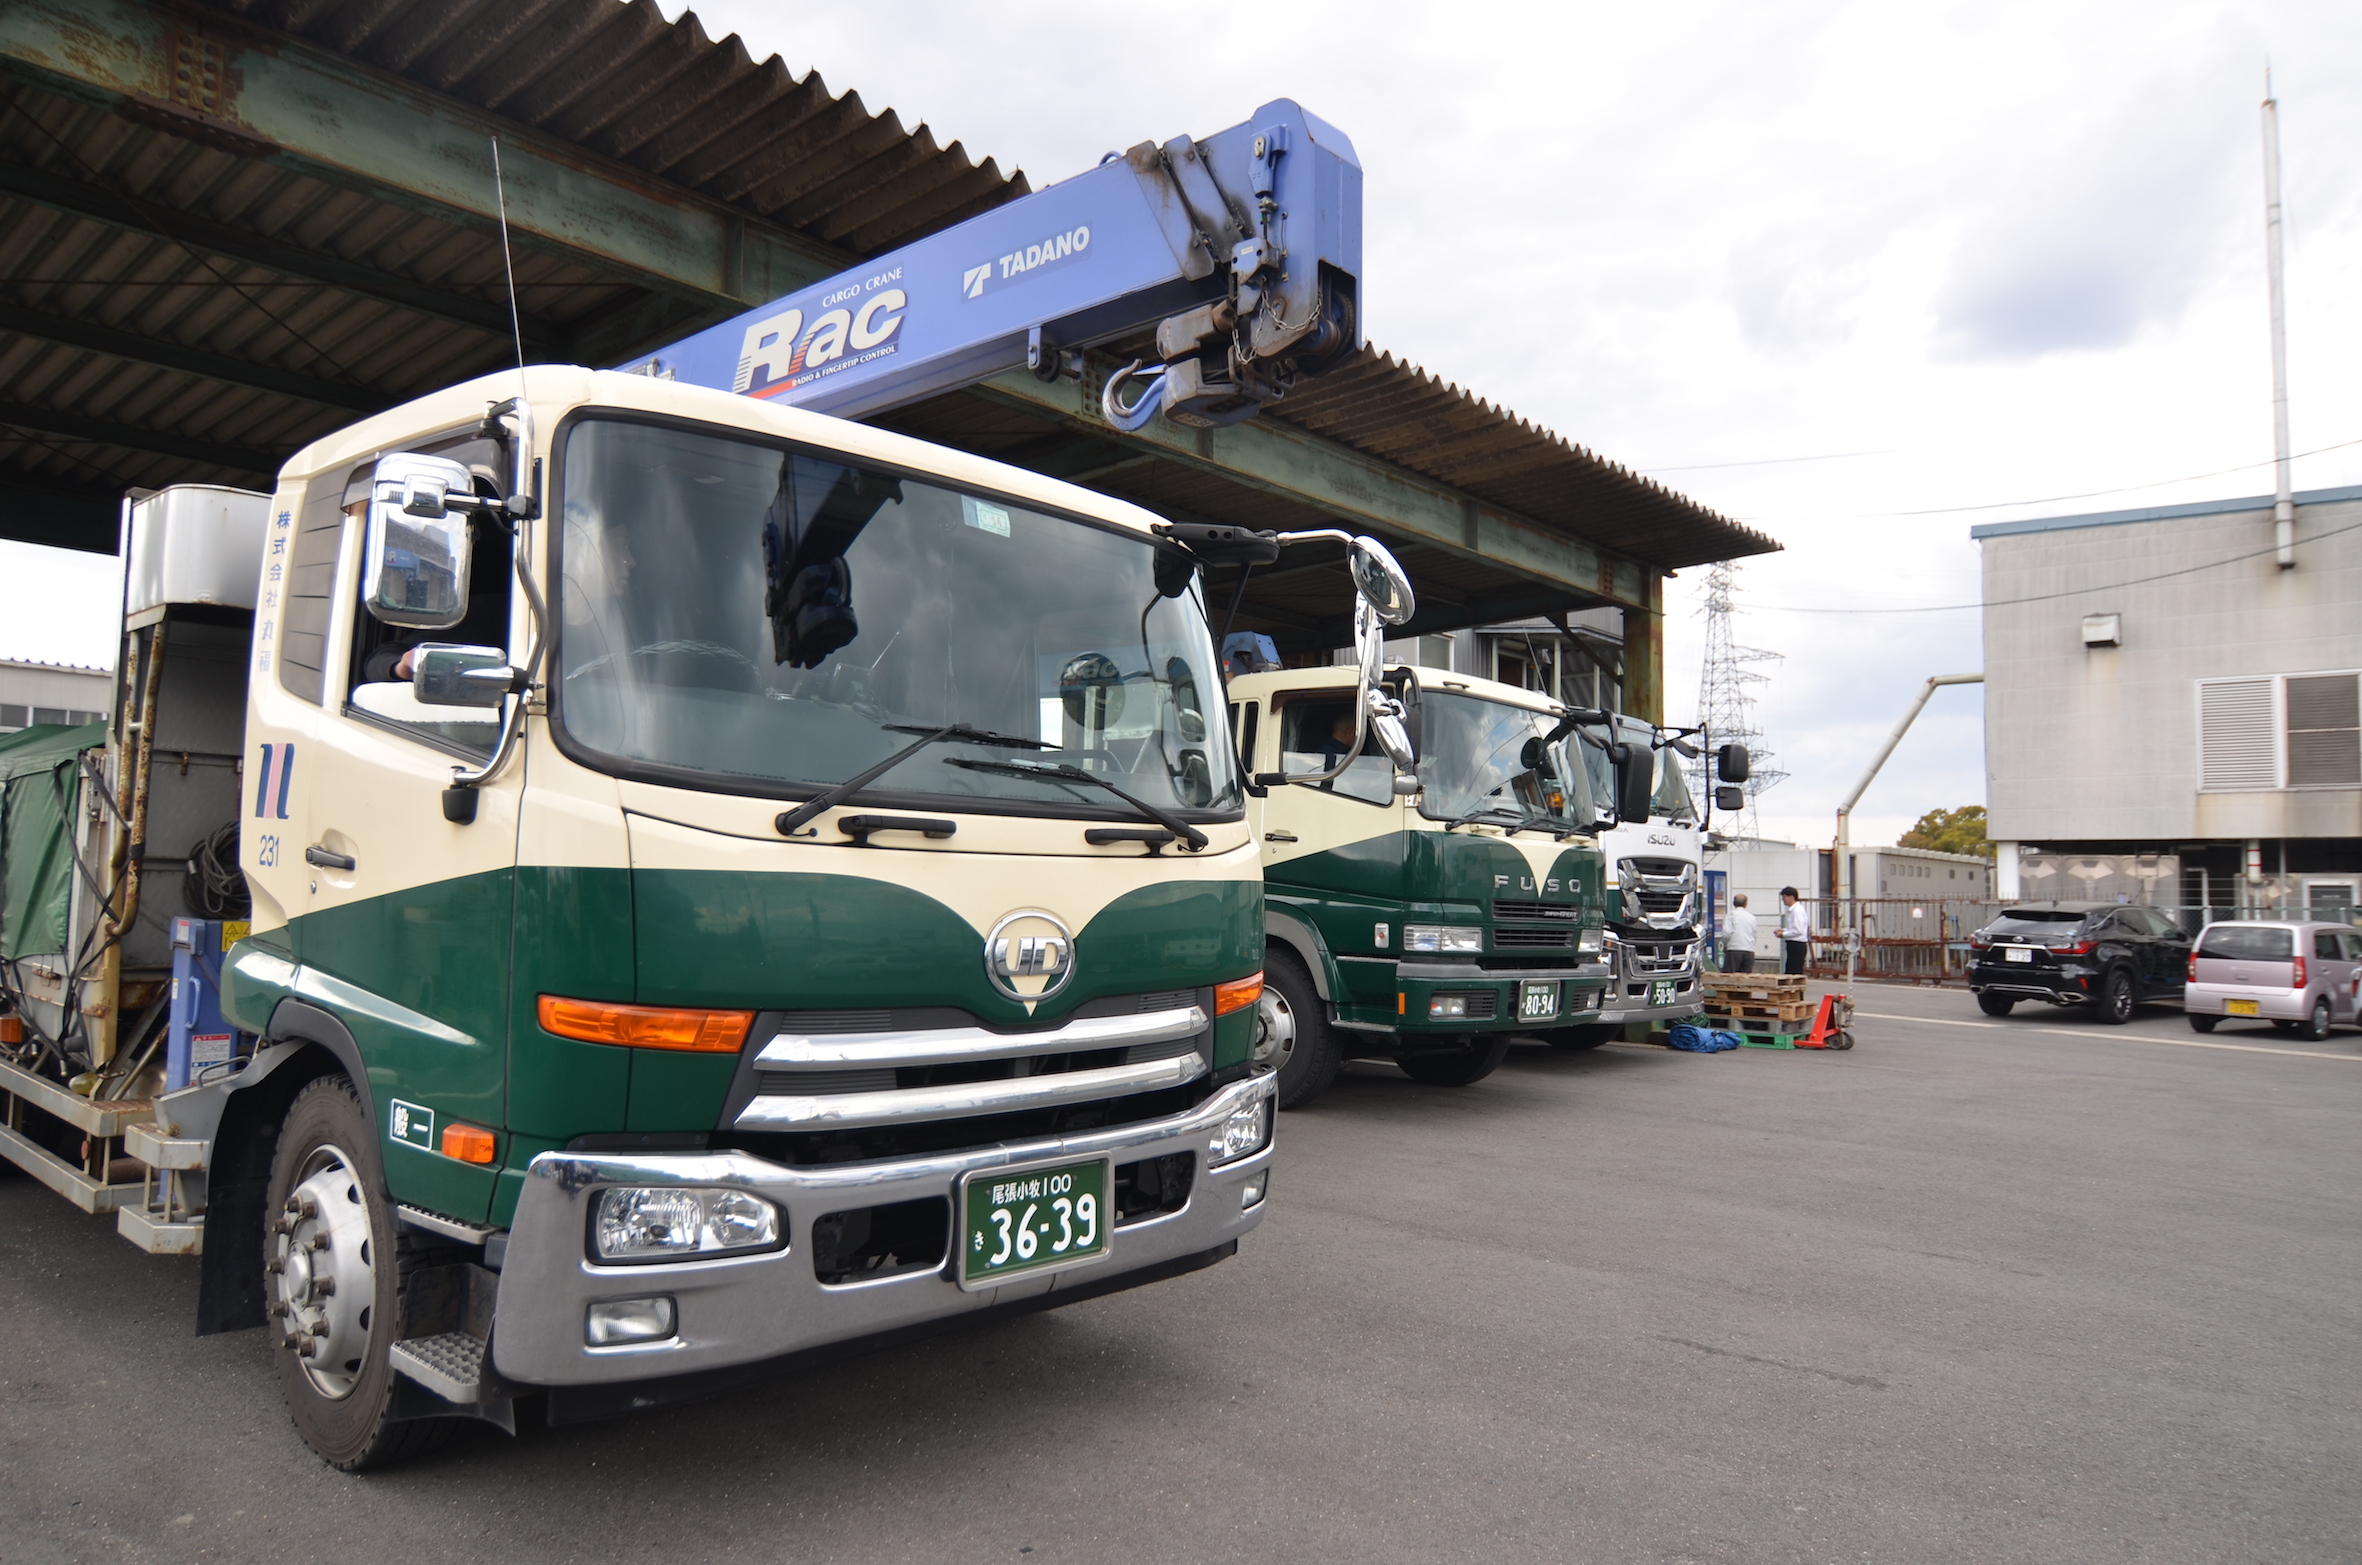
x=1393, y=409
x=145, y=339
x=666, y=99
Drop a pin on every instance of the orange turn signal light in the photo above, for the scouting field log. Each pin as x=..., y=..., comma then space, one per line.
x=1237, y=994
x=468, y=1143
x=646, y=1026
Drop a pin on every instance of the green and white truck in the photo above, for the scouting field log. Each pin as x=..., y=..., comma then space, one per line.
x=727, y=883
x=1424, y=918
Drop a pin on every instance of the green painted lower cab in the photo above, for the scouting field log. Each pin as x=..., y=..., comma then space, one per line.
x=1234, y=1038
x=574, y=939
x=440, y=985
x=1348, y=895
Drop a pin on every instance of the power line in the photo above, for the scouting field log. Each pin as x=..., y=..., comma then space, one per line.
x=2056, y=499
x=1769, y=461
x=2048, y=597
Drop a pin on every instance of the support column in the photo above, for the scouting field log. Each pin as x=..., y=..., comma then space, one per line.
x=2005, y=871
x=1644, y=652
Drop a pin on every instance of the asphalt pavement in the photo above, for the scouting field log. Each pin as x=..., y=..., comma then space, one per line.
x=2029, y=1290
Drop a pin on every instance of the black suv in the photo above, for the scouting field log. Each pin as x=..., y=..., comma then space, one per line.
x=2101, y=954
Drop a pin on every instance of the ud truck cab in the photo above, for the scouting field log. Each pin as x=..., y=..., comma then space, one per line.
x=1655, y=896
x=607, y=879
x=780, y=884
x=1427, y=925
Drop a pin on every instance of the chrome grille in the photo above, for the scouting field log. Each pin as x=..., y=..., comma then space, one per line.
x=834, y=1076
x=1557, y=912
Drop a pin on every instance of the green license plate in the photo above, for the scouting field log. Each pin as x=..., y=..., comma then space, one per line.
x=1661, y=992
x=1023, y=1222
x=1537, y=1000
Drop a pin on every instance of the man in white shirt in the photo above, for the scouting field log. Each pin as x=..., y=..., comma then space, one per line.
x=1738, y=952
x=1795, y=932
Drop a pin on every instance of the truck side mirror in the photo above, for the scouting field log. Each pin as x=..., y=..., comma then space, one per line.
x=1730, y=765
x=1381, y=582
x=1730, y=796
x=415, y=568
x=461, y=676
x=1636, y=781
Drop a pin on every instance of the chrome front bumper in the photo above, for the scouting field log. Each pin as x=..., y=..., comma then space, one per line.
x=744, y=1309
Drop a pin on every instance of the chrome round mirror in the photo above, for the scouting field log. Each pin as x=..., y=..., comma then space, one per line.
x=1381, y=582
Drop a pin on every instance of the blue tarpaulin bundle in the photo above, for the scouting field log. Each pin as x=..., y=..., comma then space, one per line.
x=1702, y=1040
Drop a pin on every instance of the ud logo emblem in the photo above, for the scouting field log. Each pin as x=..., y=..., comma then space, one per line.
x=1029, y=956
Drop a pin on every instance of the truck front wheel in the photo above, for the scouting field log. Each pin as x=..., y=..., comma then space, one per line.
x=1292, y=1033
x=332, y=1263
x=1461, y=1067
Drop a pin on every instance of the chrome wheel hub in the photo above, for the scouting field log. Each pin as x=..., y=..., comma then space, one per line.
x=1275, y=1030
x=322, y=1272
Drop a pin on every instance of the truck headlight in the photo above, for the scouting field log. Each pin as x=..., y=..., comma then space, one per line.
x=1590, y=942
x=1446, y=1007
x=673, y=1222
x=1243, y=1134
x=1442, y=937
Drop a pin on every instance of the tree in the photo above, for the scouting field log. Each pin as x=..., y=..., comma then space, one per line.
x=1950, y=831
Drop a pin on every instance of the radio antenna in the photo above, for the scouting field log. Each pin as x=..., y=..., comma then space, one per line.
x=507, y=265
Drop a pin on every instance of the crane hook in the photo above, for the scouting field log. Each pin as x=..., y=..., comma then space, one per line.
x=1111, y=405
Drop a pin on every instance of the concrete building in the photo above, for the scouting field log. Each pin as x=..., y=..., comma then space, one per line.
x=2170, y=716
x=52, y=693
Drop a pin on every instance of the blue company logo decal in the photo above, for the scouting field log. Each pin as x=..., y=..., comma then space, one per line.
x=857, y=323
x=262, y=782
x=1056, y=248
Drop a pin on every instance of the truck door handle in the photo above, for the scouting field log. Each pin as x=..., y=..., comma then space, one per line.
x=1279, y=836
x=326, y=860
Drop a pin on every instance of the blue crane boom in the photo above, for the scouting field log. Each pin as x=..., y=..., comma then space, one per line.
x=1243, y=250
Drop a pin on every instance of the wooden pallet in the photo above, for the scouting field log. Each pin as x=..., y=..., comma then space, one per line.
x=1766, y=987
x=1724, y=1009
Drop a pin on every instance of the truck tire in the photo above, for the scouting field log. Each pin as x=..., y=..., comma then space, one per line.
x=1461, y=1067
x=1587, y=1036
x=2116, y=1000
x=332, y=1272
x=1995, y=1004
x=1292, y=1033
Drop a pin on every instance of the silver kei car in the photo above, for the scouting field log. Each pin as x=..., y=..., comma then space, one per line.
x=2301, y=977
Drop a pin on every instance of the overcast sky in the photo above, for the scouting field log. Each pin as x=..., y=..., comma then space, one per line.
x=1815, y=265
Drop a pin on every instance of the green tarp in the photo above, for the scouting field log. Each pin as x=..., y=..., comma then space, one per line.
x=37, y=792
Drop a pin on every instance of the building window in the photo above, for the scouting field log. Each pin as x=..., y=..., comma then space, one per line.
x=2237, y=745
x=2280, y=731
x=2324, y=732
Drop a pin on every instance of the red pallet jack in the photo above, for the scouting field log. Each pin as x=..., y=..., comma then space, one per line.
x=1829, y=1024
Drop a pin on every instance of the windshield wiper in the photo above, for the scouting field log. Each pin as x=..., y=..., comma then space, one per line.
x=961, y=733
x=1475, y=815
x=1063, y=773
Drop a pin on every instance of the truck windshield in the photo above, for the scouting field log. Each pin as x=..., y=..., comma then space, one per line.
x=768, y=621
x=1485, y=761
x=1669, y=802
x=1672, y=801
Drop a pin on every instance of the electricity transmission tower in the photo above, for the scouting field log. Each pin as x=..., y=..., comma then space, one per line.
x=1726, y=703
